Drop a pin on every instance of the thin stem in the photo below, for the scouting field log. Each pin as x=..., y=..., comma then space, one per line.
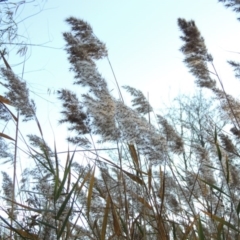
x=14, y=173
x=229, y=104
x=115, y=80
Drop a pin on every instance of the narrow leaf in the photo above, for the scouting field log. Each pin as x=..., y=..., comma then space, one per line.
x=116, y=224
x=215, y=187
x=13, y=116
x=140, y=228
x=90, y=190
x=6, y=136
x=238, y=208
x=64, y=223
x=105, y=217
x=221, y=220
x=227, y=169
x=144, y=202
x=200, y=230
x=124, y=226
x=56, y=182
x=46, y=224
x=65, y=175
x=5, y=60
x=38, y=210
x=84, y=180
x=39, y=126
x=26, y=234
x=149, y=179
x=4, y=100
x=65, y=202
x=219, y=152
x=189, y=228
x=134, y=177
x=162, y=189
x=219, y=230
x=134, y=155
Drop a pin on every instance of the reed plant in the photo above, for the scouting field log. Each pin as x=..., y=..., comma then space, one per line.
x=173, y=176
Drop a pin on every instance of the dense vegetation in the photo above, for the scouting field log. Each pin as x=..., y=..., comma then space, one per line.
x=165, y=177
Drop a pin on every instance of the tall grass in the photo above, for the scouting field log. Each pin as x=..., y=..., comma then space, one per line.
x=167, y=177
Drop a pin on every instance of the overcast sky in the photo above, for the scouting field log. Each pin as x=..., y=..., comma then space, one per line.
x=142, y=38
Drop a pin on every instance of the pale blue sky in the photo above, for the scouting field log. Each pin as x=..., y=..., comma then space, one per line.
x=143, y=42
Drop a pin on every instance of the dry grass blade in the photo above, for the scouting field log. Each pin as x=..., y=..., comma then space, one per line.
x=84, y=180
x=116, y=223
x=222, y=221
x=90, y=190
x=227, y=170
x=6, y=136
x=134, y=177
x=37, y=210
x=149, y=179
x=20, y=232
x=4, y=59
x=162, y=188
x=4, y=100
x=142, y=200
x=134, y=155
x=39, y=126
x=27, y=235
x=13, y=116
x=238, y=208
x=104, y=224
x=162, y=232
x=116, y=166
x=220, y=229
x=215, y=187
x=135, y=226
x=189, y=228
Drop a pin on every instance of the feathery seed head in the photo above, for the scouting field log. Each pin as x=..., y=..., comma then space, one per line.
x=18, y=94
x=196, y=55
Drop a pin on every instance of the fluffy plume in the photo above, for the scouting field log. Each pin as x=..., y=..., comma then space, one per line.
x=103, y=110
x=140, y=102
x=229, y=105
x=174, y=140
x=18, y=94
x=234, y=4
x=7, y=186
x=228, y=144
x=74, y=114
x=195, y=51
x=136, y=129
x=41, y=144
x=110, y=118
x=83, y=47
x=4, y=150
x=236, y=68
x=4, y=113
x=236, y=132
